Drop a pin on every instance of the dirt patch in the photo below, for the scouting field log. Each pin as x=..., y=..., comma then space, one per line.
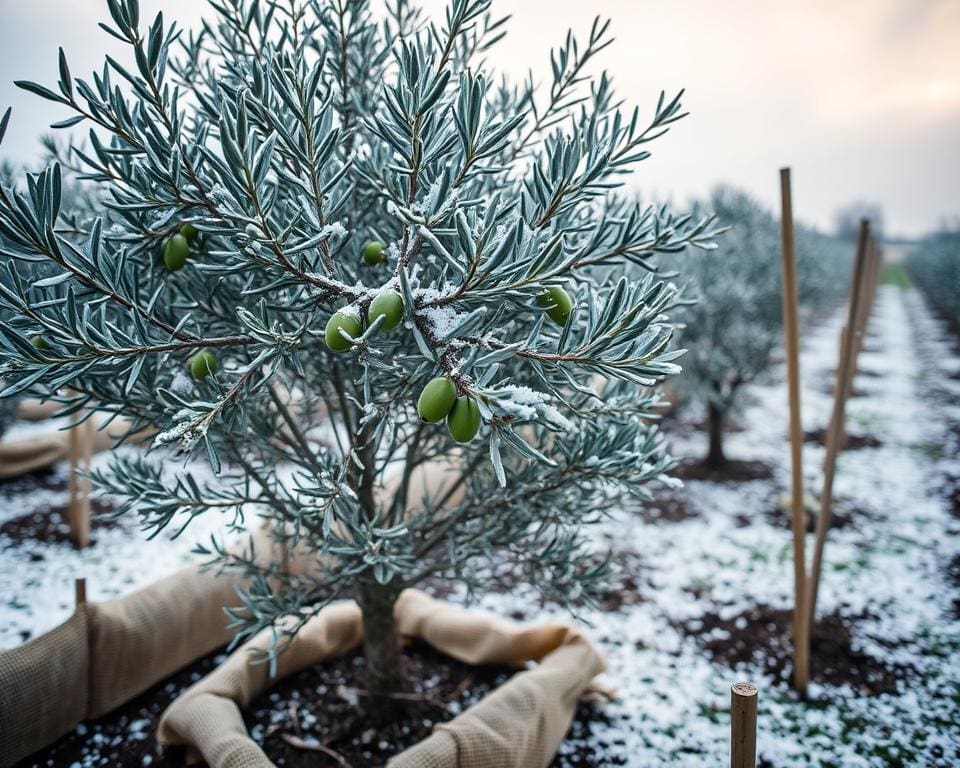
x=667, y=507
x=43, y=479
x=761, y=636
x=49, y=525
x=854, y=441
x=625, y=591
x=953, y=574
x=845, y=515
x=322, y=705
x=828, y=389
x=732, y=471
x=948, y=486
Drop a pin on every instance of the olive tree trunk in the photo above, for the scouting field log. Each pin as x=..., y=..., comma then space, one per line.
x=715, y=419
x=381, y=647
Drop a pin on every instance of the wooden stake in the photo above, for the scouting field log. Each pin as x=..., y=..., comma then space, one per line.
x=844, y=376
x=863, y=317
x=80, y=447
x=801, y=635
x=743, y=726
x=80, y=591
x=840, y=439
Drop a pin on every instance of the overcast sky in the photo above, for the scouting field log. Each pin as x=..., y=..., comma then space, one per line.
x=860, y=97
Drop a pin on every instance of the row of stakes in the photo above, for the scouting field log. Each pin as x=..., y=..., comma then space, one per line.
x=863, y=287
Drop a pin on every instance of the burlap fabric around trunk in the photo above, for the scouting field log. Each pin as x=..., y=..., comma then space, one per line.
x=44, y=686
x=107, y=653
x=520, y=725
x=147, y=635
x=31, y=409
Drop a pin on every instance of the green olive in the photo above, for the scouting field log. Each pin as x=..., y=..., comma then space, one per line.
x=373, y=252
x=436, y=399
x=463, y=420
x=346, y=321
x=390, y=305
x=557, y=302
x=190, y=232
x=203, y=364
x=175, y=252
x=38, y=342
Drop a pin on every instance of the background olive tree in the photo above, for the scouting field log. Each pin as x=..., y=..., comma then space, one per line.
x=935, y=265
x=734, y=324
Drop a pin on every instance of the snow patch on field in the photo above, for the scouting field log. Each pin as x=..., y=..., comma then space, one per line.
x=887, y=566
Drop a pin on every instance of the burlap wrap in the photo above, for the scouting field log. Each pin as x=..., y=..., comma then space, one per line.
x=148, y=635
x=44, y=686
x=107, y=653
x=31, y=409
x=519, y=725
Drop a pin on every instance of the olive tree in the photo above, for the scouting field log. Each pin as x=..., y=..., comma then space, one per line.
x=935, y=265
x=733, y=323
x=322, y=236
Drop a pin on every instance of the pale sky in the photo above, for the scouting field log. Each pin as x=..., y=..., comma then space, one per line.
x=860, y=97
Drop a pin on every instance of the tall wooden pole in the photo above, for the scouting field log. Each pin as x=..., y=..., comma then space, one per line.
x=801, y=634
x=743, y=726
x=854, y=331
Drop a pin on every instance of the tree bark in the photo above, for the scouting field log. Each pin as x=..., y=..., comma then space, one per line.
x=715, y=456
x=381, y=647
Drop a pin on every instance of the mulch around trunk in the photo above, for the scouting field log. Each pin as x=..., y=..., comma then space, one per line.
x=763, y=635
x=315, y=718
x=731, y=471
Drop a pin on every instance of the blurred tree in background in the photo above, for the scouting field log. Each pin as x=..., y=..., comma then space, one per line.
x=847, y=220
x=935, y=265
x=733, y=325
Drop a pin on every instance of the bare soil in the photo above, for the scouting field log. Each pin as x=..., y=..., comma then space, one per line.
x=49, y=525
x=731, y=471
x=854, y=441
x=762, y=635
x=667, y=507
x=845, y=515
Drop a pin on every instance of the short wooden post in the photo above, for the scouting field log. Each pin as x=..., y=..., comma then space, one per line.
x=80, y=447
x=743, y=726
x=844, y=376
x=801, y=635
x=79, y=591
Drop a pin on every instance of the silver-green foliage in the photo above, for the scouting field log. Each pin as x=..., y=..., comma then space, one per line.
x=935, y=265
x=290, y=133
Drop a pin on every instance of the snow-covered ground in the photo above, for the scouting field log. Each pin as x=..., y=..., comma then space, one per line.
x=885, y=572
x=36, y=578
